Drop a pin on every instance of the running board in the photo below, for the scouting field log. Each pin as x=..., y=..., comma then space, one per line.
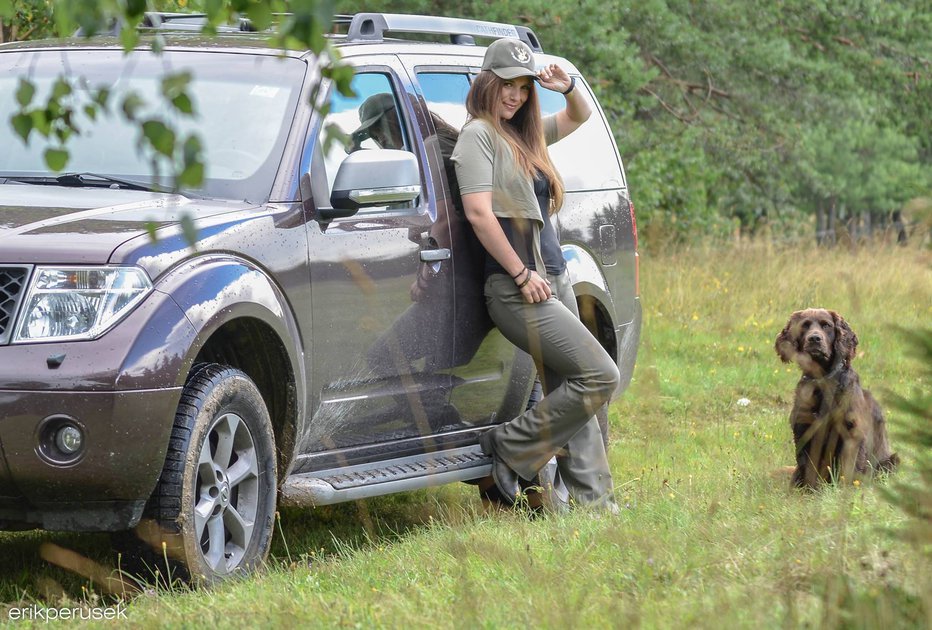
x=363, y=481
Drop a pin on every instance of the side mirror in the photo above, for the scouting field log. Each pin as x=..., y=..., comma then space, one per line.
x=373, y=177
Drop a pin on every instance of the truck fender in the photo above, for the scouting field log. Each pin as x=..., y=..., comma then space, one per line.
x=214, y=290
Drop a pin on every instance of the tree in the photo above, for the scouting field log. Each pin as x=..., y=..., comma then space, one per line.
x=727, y=113
x=30, y=19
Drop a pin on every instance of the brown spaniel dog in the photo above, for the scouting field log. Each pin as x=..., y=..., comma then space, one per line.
x=838, y=427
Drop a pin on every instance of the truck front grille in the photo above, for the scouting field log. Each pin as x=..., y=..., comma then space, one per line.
x=12, y=287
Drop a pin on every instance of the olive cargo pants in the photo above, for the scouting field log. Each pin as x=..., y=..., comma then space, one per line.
x=578, y=377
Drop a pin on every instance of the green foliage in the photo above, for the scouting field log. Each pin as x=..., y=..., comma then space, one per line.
x=728, y=114
x=747, y=114
x=793, y=102
x=914, y=495
x=25, y=19
x=56, y=159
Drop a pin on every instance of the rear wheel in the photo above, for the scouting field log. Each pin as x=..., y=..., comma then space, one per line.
x=211, y=514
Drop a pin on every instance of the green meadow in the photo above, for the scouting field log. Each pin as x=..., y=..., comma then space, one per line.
x=709, y=534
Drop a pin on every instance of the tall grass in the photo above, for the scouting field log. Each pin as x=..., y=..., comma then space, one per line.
x=708, y=536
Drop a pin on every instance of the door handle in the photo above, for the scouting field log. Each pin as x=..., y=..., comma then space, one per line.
x=435, y=255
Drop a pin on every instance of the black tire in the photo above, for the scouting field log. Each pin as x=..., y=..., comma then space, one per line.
x=211, y=515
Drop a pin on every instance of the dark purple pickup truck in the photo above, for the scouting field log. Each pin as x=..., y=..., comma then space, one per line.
x=323, y=339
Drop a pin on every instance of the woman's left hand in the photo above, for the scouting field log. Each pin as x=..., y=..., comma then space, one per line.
x=553, y=77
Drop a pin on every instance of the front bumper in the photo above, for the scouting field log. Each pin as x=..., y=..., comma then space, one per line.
x=122, y=389
x=126, y=436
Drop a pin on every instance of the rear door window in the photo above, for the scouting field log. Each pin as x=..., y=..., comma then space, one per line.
x=445, y=93
x=586, y=159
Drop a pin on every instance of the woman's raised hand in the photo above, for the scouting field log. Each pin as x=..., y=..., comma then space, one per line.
x=553, y=77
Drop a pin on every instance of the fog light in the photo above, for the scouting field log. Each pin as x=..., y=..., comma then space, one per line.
x=61, y=440
x=69, y=439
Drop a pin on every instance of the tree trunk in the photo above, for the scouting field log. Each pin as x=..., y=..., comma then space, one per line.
x=853, y=227
x=830, y=235
x=821, y=227
x=900, y=226
x=882, y=221
x=845, y=226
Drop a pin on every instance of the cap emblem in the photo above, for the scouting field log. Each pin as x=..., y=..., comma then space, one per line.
x=520, y=54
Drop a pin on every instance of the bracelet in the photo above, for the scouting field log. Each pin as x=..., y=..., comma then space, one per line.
x=526, y=279
x=515, y=277
x=571, y=87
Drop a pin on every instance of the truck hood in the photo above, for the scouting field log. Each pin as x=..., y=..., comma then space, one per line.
x=58, y=225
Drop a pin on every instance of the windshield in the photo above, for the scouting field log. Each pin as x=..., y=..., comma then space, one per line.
x=243, y=107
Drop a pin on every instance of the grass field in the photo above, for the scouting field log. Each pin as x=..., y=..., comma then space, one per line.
x=708, y=536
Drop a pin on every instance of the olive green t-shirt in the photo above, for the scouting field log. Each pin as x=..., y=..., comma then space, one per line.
x=485, y=163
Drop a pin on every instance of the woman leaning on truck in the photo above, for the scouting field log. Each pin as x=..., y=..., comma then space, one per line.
x=510, y=189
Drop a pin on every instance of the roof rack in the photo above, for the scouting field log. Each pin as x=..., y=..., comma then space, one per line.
x=362, y=27
x=188, y=22
x=373, y=26
x=158, y=20
x=177, y=21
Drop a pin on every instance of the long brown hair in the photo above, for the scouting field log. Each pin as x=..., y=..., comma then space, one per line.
x=524, y=133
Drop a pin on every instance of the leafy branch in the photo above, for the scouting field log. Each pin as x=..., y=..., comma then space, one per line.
x=687, y=88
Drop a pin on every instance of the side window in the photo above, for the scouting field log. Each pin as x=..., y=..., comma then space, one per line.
x=586, y=159
x=445, y=93
x=372, y=119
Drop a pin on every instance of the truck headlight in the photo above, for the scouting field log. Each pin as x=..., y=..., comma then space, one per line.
x=73, y=303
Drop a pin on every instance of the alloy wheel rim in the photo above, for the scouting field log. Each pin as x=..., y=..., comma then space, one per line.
x=227, y=490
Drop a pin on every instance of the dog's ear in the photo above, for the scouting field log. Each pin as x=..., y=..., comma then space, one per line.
x=846, y=342
x=786, y=344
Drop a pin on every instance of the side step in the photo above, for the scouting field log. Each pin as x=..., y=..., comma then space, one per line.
x=324, y=487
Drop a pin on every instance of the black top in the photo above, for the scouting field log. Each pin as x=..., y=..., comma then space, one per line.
x=519, y=233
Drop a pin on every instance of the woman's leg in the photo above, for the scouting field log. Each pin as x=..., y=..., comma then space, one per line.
x=583, y=464
x=556, y=339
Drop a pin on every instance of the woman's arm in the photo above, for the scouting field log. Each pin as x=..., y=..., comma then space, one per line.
x=478, y=207
x=577, y=110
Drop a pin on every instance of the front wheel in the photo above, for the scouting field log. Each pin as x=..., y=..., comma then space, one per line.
x=214, y=504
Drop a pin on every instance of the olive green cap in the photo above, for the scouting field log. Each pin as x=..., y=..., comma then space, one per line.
x=509, y=58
